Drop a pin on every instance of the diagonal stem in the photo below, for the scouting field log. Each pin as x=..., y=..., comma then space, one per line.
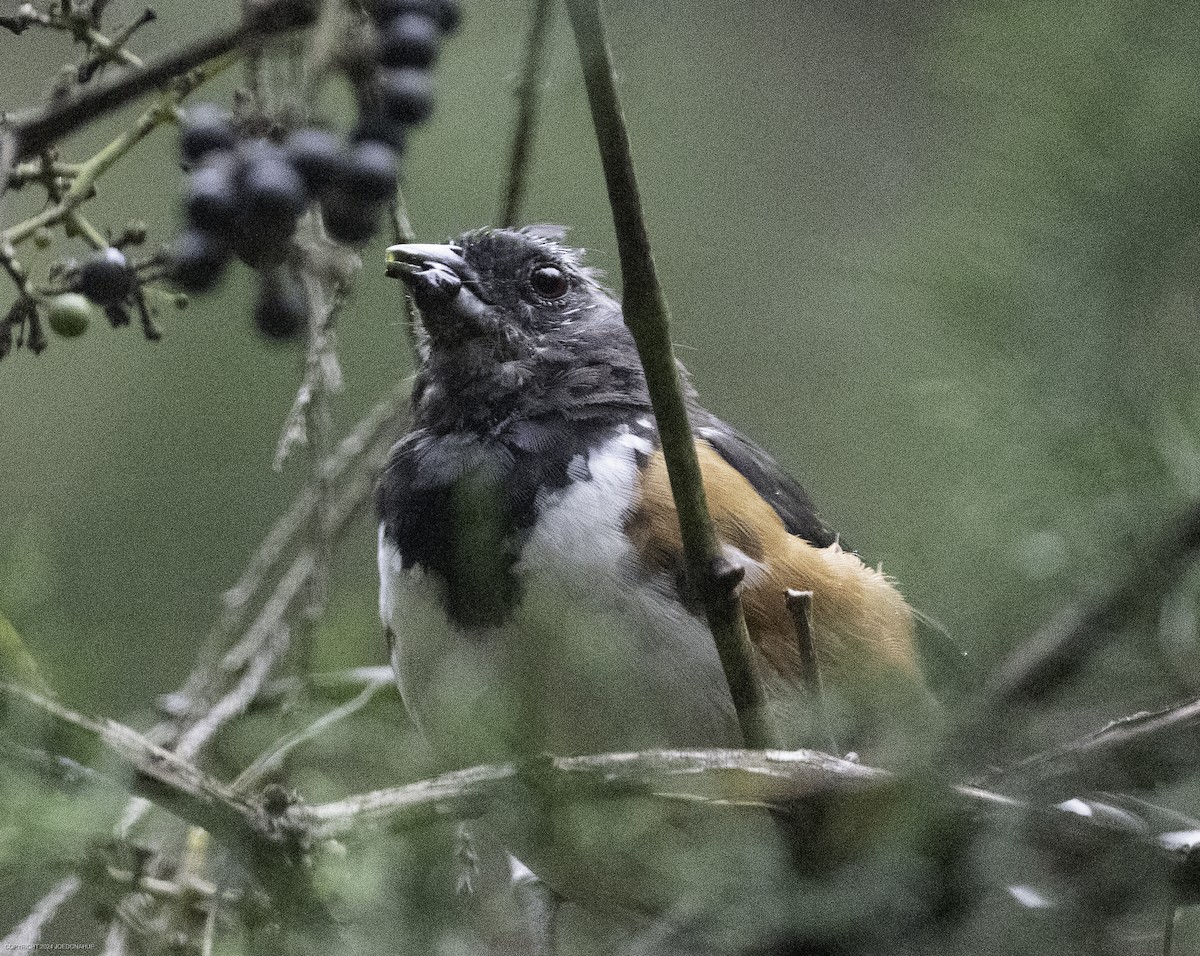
x=647, y=316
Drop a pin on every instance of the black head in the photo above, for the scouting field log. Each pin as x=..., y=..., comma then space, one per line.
x=515, y=327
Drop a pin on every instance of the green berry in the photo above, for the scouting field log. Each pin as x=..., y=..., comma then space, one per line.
x=69, y=315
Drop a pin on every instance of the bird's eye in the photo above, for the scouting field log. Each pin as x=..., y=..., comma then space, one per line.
x=550, y=282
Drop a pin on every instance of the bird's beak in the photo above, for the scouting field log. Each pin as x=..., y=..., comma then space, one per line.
x=411, y=258
x=445, y=287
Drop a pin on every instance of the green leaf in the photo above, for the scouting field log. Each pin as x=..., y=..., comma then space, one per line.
x=17, y=665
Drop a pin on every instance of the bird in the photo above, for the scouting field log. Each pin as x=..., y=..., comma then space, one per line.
x=532, y=584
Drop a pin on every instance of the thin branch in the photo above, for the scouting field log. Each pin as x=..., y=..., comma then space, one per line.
x=528, y=93
x=35, y=131
x=1141, y=750
x=25, y=934
x=1057, y=651
x=234, y=703
x=116, y=941
x=271, y=761
x=83, y=184
x=646, y=315
x=112, y=50
x=238, y=699
x=353, y=451
x=334, y=685
x=736, y=779
x=799, y=604
x=140, y=766
x=258, y=835
x=267, y=839
x=715, y=774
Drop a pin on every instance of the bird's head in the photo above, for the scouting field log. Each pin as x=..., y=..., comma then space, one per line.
x=513, y=324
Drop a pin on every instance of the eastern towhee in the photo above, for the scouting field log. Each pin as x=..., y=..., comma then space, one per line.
x=529, y=553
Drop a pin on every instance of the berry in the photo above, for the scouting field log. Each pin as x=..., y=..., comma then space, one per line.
x=405, y=94
x=206, y=128
x=316, y=156
x=282, y=309
x=274, y=195
x=370, y=172
x=374, y=126
x=212, y=195
x=106, y=278
x=349, y=219
x=449, y=15
x=198, y=260
x=446, y=13
x=411, y=39
x=69, y=315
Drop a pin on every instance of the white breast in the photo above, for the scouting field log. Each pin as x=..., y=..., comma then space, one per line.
x=598, y=656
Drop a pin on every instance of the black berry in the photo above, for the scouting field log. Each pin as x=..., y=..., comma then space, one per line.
x=316, y=156
x=106, y=278
x=282, y=309
x=449, y=15
x=206, y=128
x=198, y=260
x=405, y=94
x=374, y=126
x=411, y=39
x=212, y=195
x=349, y=219
x=446, y=13
x=370, y=172
x=274, y=195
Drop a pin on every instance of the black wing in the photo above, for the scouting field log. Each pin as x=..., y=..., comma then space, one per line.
x=790, y=501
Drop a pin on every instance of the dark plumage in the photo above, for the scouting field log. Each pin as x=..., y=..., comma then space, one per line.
x=512, y=388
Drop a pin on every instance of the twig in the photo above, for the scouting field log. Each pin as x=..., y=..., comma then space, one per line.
x=268, y=623
x=528, y=93
x=799, y=604
x=715, y=774
x=238, y=699
x=34, y=131
x=25, y=935
x=116, y=941
x=268, y=838
x=194, y=739
x=736, y=779
x=257, y=835
x=271, y=761
x=354, y=450
x=83, y=184
x=1056, y=652
x=112, y=50
x=140, y=766
x=329, y=684
x=1139, y=750
x=646, y=314
x=208, y=935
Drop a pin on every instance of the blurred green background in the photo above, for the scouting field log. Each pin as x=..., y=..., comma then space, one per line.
x=940, y=259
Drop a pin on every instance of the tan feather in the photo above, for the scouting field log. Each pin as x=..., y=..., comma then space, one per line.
x=863, y=627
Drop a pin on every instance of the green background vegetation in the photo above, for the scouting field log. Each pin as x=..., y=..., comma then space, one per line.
x=940, y=259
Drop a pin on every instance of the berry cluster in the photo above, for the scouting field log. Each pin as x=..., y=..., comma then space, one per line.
x=245, y=195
